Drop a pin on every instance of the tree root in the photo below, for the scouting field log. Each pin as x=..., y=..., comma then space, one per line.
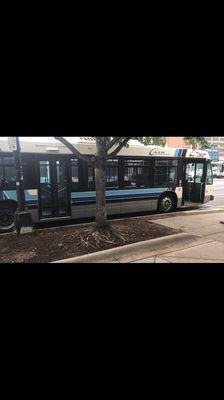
x=95, y=238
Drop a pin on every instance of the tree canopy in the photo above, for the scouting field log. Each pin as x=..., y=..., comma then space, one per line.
x=196, y=141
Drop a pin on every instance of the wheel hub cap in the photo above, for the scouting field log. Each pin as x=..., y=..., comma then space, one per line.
x=166, y=204
x=6, y=219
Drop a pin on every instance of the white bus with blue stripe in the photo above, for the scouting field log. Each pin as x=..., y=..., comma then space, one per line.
x=140, y=178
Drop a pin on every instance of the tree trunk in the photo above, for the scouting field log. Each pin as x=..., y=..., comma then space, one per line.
x=100, y=178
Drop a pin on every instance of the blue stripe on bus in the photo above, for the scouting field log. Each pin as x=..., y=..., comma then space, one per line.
x=81, y=197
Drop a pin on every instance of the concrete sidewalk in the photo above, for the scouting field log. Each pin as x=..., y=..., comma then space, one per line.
x=207, y=245
x=201, y=241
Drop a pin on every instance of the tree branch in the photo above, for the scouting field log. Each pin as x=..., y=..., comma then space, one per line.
x=120, y=146
x=111, y=144
x=73, y=149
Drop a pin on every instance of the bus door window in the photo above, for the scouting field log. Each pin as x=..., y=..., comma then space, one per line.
x=199, y=173
x=189, y=181
x=45, y=189
x=199, y=186
x=194, y=182
x=190, y=172
x=209, y=179
x=54, y=188
x=75, y=174
x=45, y=177
x=62, y=188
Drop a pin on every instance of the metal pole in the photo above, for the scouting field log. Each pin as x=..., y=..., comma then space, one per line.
x=19, y=177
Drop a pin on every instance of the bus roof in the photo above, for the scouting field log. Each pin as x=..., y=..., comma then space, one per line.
x=87, y=146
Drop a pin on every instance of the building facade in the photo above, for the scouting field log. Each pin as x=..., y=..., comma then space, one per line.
x=217, y=141
x=172, y=141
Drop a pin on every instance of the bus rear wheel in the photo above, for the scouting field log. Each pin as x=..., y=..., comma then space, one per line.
x=6, y=220
x=167, y=204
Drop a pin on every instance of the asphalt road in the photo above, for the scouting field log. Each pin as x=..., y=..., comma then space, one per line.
x=218, y=193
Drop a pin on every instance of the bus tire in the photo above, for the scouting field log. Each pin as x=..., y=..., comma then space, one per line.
x=7, y=218
x=167, y=203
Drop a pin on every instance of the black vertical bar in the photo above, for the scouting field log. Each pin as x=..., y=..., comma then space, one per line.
x=19, y=177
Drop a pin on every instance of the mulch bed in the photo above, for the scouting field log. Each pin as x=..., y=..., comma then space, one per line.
x=49, y=245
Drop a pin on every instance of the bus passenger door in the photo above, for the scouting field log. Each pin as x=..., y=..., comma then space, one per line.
x=194, y=182
x=54, y=189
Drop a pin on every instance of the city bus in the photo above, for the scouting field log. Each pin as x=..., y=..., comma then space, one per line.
x=58, y=186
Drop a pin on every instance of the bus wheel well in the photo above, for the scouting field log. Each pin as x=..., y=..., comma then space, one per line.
x=9, y=205
x=7, y=215
x=171, y=195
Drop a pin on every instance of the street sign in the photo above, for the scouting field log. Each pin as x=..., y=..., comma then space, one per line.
x=12, y=143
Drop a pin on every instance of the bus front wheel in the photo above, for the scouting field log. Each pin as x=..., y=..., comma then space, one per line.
x=6, y=220
x=167, y=204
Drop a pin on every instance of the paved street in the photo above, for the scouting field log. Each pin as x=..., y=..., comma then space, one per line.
x=218, y=193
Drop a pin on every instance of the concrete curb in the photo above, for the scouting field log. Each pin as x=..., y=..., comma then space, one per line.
x=133, y=252
x=206, y=211
x=150, y=217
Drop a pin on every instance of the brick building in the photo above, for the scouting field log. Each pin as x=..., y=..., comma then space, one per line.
x=172, y=141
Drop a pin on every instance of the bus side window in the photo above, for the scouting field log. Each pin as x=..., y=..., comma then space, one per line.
x=30, y=173
x=138, y=173
x=209, y=174
x=112, y=174
x=165, y=173
x=173, y=175
x=1, y=172
x=8, y=173
x=91, y=178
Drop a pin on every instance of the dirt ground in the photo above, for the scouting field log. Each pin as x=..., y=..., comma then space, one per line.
x=45, y=246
